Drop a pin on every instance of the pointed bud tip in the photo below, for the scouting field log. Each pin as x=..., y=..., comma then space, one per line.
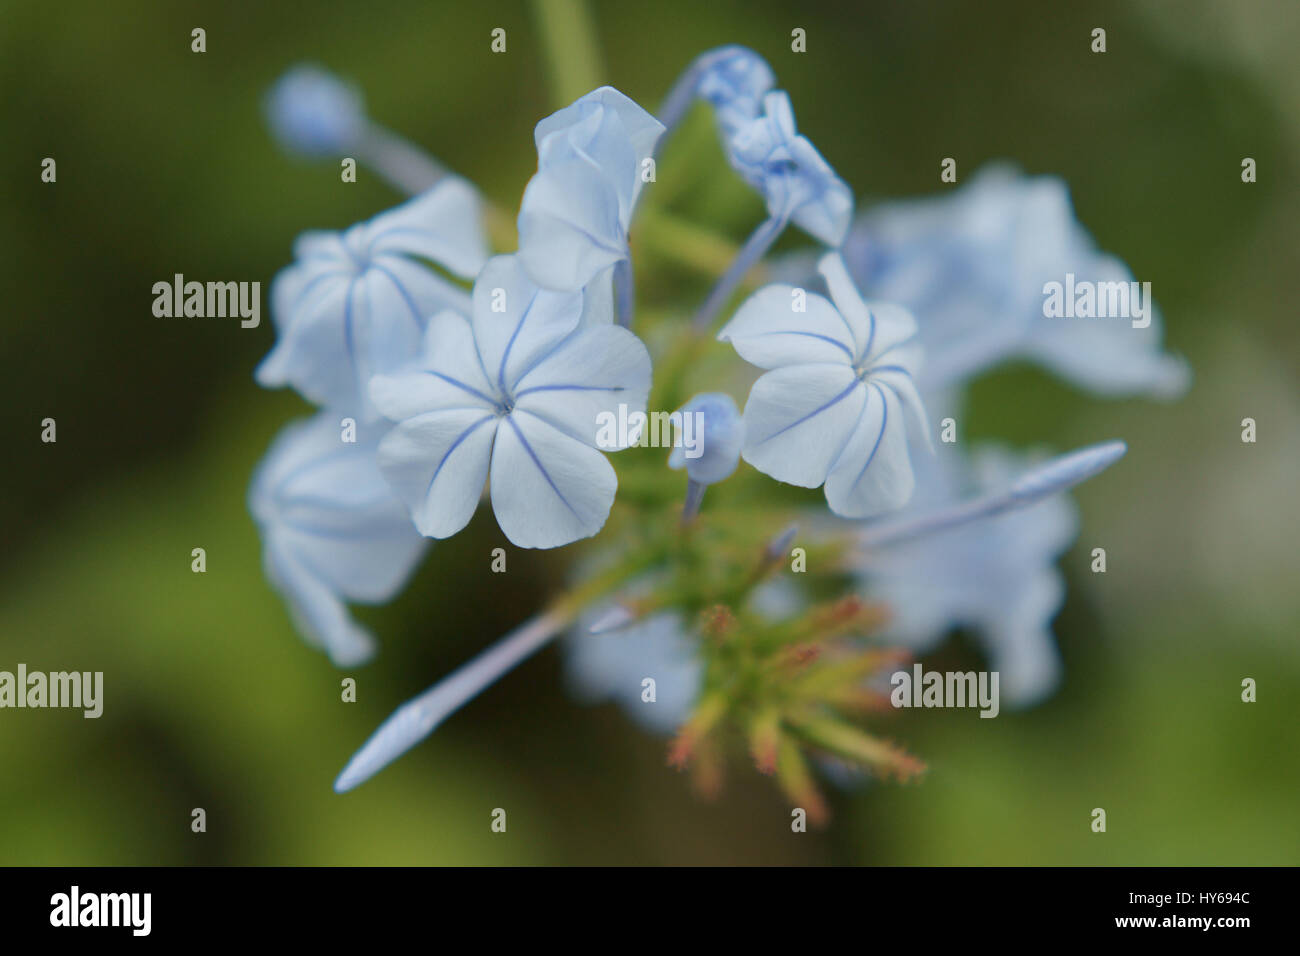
x=1070, y=469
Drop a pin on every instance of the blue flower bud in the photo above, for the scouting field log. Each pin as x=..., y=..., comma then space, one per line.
x=313, y=112
x=711, y=436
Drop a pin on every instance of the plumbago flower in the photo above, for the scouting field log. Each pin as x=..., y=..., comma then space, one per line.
x=972, y=267
x=762, y=144
x=512, y=387
x=356, y=303
x=576, y=212
x=839, y=401
x=786, y=168
x=313, y=112
x=514, y=393
x=332, y=531
x=717, y=442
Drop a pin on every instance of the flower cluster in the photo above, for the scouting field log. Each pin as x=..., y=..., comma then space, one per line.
x=764, y=620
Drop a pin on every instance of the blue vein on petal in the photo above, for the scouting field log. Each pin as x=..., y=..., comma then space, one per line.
x=559, y=346
x=536, y=461
x=459, y=438
x=816, y=411
x=812, y=335
x=887, y=368
x=415, y=312
x=302, y=293
x=462, y=386
x=505, y=355
x=884, y=420
x=374, y=240
x=871, y=335
x=570, y=388
x=347, y=321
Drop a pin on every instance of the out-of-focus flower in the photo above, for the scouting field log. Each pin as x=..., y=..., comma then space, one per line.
x=839, y=402
x=996, y=575
x=972, y=267
x=575, y=214
x=796, y=182
x=516, y=393
x=734, y=80
x=311, y=111
x=611, y=666
x=332, y=531
x=718, y=433
x=356, y=303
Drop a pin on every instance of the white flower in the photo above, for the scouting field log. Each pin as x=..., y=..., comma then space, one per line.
x=839, y=403
x=356, y=303
x=575, y=214
x=971, y=265
x=513, y=396
x=996, y=576
x=332, y=531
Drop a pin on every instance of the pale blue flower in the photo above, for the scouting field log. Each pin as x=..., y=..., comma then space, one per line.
x=576, y=211
x=734, y=80
x=718, y=433
x=972, y=266
x=313, y=112
x=332, y=531
x=515, y=396
x=977, y=548
x=838, y=405
x=611, y=666
x=796, y=182
x=356, y=303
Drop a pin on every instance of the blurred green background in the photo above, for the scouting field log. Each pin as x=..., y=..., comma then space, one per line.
x=212, y=701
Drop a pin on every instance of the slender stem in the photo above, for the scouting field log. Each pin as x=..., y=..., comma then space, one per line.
x=680, y=97
x=1047, y=479
x=573, y=61
x=694, y=497
x=418, y=717
x=755, y=248
x=406, y=167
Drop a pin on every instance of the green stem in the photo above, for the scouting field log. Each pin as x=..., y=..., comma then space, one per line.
x=573, y=60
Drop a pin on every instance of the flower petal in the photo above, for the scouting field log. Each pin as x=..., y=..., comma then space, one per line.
x=548, y=489
x=767, y=332
x=594, y=372
x=516, y=323
x=873, y=474
x=448, y=375
x=318, y=613
x=437, y=463
x=569, y=226
x=798, y=418
x=332, y=530
x=444, y=225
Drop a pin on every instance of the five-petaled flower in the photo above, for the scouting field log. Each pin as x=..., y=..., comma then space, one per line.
x=356, y=303
x=839, y=402
x=514, y=394
x=797, y=183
